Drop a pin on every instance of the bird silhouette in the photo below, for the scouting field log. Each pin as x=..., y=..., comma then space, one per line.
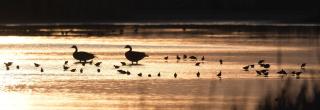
x=282, y=72
x=65, y=68
x=246, y=68
x=258, y=72
x=221, y=62
x=81, y=70
x=98, y=64
x=41, y=70
x=265, y=73
x=159, y=74
x=65, y=62
x=140, y=74
x=198, y=74
x=260, y=61
x=134, y=56
x=122, y=71
x=266, y=65
x=18, y=67
x=98, y=70
x=123, y=63
x=149, y=75
x=166, y=58
x=178, y=57
x=73, y=70
x=175, y=75
x=8, y=64
x=303, y=65
x=252, y=66
x=82, y=56
x=298, y=73
x=128, y=72
x=193, y=58
x=197, y=64
x=202, y=59
x=116, y=66
x=219, y=75
x=185, y=56
x=36, y=64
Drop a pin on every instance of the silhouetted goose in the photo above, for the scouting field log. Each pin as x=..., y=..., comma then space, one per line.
x=219, y=75
x=73, y=70
x=197, y=64
x=260, y=61
x=178, y=57
x=8, y=64
x=221, y=62
x=246, y=68
x=134, y=56
x=193, y=58
x=303, y=65
x=140, y=74
x=122, y=71
x=98, y=70
x=258, y=72
x=123, y=63
x=175, y=75
x=159, y=74
x=65, y=68
x=98, y=64
x=82, y=56
x=81, y=70
x=41, y=70
x=65, y=62
x=18, y=67
x=198, y=74
x=36, y=64
x=116, y=66
x=166, y=58
x=252, y=66
x=185, y=56
x=202, y=59
x=149, y=75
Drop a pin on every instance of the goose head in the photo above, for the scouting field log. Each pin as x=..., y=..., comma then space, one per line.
x=74, y=46
x=128, y=46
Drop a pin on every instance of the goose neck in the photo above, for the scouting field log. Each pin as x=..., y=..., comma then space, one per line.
x=76, y=50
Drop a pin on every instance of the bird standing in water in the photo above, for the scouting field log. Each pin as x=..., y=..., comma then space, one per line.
x=175, y=75
x=219, y=75
x=134, y=56
x=198, y=74
x=82, y=56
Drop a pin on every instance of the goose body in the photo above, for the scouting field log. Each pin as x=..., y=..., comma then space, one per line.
x=81, y=56
x=134, y=56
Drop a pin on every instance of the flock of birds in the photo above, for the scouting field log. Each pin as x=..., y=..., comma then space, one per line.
x=135, y=57
x=264, y=69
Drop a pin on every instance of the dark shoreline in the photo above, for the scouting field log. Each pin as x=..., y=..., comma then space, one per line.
x=105, y=29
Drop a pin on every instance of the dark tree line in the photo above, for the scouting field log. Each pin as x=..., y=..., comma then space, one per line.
x=67, y=10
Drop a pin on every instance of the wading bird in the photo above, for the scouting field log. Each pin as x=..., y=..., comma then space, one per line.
x=82, y=56
x=134, y=56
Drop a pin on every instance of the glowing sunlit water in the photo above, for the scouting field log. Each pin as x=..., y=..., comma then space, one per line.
x=29, y=89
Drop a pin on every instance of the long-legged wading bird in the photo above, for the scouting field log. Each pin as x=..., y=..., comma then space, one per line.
x=82, y=56
x=134, y=56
